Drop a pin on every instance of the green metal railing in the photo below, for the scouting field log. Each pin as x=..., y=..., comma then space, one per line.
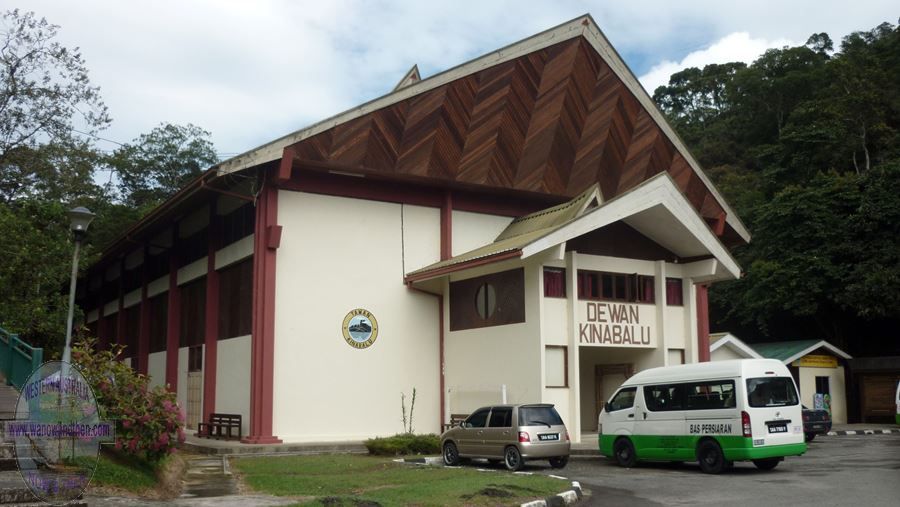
x=17, y=358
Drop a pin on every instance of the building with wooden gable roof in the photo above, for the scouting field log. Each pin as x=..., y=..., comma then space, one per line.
x=525, y=226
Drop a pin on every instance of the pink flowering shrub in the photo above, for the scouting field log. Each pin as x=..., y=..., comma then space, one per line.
x=149, y=422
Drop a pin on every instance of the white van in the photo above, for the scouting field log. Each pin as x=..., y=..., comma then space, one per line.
x=715, y=413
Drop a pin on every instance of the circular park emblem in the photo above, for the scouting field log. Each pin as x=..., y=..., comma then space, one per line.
x=360, y=328
x=57, y=433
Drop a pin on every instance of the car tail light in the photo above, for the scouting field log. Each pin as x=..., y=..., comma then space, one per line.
x=523, y=436
x=805, y=417
x=745, y=424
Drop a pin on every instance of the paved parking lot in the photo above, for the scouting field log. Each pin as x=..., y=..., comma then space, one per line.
x=862, y=470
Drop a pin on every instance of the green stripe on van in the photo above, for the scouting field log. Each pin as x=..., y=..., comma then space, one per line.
x=683, y=447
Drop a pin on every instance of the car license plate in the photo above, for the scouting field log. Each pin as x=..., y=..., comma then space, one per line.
x=549, y=436
x=778, y=428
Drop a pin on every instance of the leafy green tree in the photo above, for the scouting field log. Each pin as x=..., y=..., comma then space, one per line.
x=159, y=163
x=45, y=95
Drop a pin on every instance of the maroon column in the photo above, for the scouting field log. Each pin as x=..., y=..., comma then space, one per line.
x=703, y=322
x=143, y=348
x=212, y=314
x=173, y=325
x=120, y=320
x=266, y=239
x=447, y=227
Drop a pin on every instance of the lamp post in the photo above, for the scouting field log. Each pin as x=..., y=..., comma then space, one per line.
x=81, y=218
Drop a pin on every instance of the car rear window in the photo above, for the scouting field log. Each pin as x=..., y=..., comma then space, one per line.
x=771, y=392
x=538, y=416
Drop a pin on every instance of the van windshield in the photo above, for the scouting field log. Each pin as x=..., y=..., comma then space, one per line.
x=539, y=416
x=771, y=392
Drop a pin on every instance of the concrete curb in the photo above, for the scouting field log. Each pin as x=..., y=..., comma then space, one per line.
x=567, y=497
x=861, y=432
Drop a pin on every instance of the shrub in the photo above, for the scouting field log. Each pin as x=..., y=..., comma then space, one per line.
x=404, y=444
x=148, y=422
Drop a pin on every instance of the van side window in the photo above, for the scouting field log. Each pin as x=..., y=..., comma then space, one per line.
x=664, y=397
x=710, y=395
x=479, y=418
x=501, y=417
x=623, y=399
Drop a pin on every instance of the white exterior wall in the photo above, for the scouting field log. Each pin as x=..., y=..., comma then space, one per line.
x=835, y=384
x=474, y=230
x=725, y=353
x=478, y=362
x=338, y=254
x=156, y=369
x=421, y=236
x=233, y=378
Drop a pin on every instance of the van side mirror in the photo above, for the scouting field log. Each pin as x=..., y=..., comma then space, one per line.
x=606, y=406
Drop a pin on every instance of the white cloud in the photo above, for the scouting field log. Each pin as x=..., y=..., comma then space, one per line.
x=735, y=47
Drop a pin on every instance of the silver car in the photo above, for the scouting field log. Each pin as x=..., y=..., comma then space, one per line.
x=511, y=433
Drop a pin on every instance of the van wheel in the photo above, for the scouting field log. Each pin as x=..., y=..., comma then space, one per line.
x=559, y=461
x=710, y=456
x=451, y=454
x=810, y=437
x=512, y=458
x=623, y=450
x=766, y=464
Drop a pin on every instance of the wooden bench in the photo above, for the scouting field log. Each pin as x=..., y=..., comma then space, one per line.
x=455, y=420
x=220, y=426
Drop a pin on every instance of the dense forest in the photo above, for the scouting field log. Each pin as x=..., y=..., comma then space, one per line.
x=803, y=143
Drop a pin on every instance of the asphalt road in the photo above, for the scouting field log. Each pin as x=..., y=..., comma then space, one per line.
x=862, y=471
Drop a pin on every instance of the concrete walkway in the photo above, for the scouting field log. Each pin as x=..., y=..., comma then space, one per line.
x=197, y=445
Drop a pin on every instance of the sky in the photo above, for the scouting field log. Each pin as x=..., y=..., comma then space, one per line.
x=254, y=70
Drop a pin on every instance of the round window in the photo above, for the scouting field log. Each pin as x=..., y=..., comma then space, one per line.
x=485, y=300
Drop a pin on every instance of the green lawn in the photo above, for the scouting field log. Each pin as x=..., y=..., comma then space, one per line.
x=354, y=480
x=125, y=472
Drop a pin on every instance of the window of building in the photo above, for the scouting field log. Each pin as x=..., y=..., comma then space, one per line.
x=554, y=282
x=132, y=331
x=486, y=300
x=501, y=417
x=556, y=367
x=238, y=224
x=159, y=321
x=235, y=299
x=822, y=386
x=496, y=299
x=623, y=399
x=193, y=313
x=674, y=293
x=606, y=286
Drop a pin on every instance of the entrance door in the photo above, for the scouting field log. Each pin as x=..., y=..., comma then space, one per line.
x=194, y=387
x=607, y=378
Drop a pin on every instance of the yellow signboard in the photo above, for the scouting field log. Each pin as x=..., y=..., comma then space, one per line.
x=816, y=361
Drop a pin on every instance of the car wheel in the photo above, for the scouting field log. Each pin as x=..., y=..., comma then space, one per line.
x=810, y=437
x=766, y=464
x=451, y=454
x=623, y=450
x=710, y=456
x=559, y=461
x=512, y=458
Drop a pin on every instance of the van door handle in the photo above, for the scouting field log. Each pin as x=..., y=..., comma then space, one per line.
x=631, y=416
x=645, y=416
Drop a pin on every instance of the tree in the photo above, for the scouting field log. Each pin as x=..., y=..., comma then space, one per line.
x=156, y=165
x=45, y=92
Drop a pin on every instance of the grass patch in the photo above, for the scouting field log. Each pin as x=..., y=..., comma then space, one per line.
x=352, y=480
x=404, y=444
x=126, y=472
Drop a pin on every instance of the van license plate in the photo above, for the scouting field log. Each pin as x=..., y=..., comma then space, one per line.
x=549, y=436
x=778, y=428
